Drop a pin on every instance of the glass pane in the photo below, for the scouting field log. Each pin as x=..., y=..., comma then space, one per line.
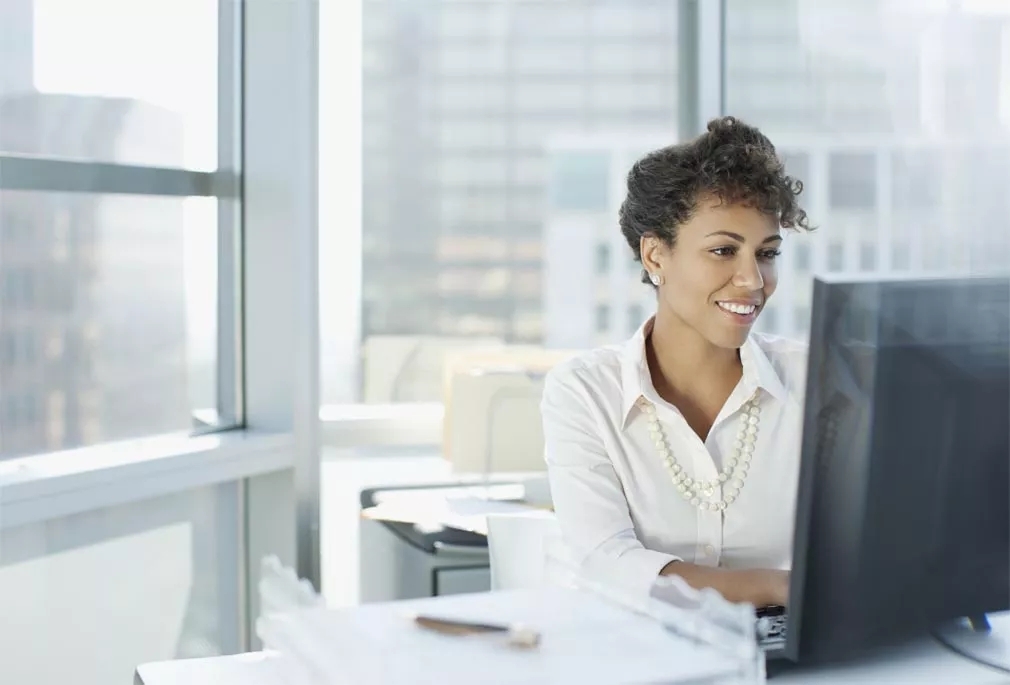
x=510, y=123
x=110, y=80
x=900, y=114
x=88, y=597
x=109, y=317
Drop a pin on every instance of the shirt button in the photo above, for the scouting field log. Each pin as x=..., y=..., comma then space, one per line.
x=709, y=550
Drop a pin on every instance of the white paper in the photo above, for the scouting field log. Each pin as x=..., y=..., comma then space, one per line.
x=583, y=639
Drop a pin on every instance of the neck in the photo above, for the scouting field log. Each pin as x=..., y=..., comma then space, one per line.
x=684, y=364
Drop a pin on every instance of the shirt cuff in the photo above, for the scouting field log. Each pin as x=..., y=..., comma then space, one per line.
x=635, y=570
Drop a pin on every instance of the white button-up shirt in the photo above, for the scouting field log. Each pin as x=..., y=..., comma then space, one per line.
x=614, y=497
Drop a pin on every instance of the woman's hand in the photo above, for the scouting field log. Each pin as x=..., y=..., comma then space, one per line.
x=760, y=587
x=771, y=587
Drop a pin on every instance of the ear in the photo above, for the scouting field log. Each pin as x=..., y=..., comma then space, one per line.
x=653, y=253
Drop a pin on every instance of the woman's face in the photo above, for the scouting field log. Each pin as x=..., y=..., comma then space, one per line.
x=720, y=272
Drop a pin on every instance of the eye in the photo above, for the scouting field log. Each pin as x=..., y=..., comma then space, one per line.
x=723, y=251
x=769, y=255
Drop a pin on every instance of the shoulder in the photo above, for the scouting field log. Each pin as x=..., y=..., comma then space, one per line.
x=592, y=372
x=787, y=356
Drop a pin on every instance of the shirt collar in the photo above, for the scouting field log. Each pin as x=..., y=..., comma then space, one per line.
x=636, y=382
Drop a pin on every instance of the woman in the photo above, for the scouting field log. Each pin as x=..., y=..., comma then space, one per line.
x=678, y=452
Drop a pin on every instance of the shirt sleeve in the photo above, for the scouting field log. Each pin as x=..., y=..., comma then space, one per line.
x=589, y=501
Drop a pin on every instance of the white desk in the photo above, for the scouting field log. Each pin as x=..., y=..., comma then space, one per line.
x=925, y=662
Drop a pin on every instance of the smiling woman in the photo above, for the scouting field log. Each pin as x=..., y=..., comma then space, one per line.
x=650, y=446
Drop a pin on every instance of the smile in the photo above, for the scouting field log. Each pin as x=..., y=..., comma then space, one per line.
x=734, y=308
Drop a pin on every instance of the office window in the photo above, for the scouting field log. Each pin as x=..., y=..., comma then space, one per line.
x=602, y=318
x=79, y=64
x=867, y=257
x=554, y=95
x=540, y=21
x=769, y=320
x=801, y=258
x=109, y=280
x=550, y=94
x=580, y=181
x=801, y=320
x=636, y=317
x=621, y=57
x=602, y=259
x=142, y=338
x=642, y=94
x=828, y=84
x=637, y=20
x=797, y=165
x=472, y=95
x=900, y=257
x=916, y=179
x=547, y=57
x=852, y=181
x=836, y=256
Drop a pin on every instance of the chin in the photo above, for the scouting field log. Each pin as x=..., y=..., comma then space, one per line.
x=730, y=340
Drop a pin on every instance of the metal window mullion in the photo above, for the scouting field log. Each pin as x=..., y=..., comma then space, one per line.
x=229, y=382
x=22, y=172
x=702, y=72
x=229, y=392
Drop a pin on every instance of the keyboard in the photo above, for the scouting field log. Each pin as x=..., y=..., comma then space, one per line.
x=771, y=626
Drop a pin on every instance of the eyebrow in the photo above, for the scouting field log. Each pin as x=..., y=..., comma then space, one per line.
x=740, y=238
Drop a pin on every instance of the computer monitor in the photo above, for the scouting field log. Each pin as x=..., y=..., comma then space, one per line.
x=903, y=507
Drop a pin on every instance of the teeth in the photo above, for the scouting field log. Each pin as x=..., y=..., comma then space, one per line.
x=738, y=308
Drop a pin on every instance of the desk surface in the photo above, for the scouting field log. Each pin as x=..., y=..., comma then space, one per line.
x=924, y=662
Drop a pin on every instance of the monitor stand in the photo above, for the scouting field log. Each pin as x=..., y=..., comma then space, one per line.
x=986, y=638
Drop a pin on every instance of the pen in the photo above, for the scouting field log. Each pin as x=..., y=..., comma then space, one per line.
x=518, y=635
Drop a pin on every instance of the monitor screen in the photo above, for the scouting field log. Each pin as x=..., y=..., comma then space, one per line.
x=903, y=510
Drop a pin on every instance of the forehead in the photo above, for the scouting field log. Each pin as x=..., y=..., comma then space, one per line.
x=713, y=215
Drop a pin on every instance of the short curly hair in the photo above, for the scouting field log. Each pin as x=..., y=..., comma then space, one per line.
x=731, y=161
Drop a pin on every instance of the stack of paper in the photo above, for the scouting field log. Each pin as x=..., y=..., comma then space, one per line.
x=584, y=639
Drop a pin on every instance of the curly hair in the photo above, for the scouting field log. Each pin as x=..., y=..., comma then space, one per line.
x=731, y=161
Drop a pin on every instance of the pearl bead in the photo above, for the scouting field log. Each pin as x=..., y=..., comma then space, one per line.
x=734, y=472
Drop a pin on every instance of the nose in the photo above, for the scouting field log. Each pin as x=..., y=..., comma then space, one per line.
x=749, y=275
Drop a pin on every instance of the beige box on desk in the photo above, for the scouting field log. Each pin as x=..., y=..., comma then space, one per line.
x=492, y=408
x=411, y=368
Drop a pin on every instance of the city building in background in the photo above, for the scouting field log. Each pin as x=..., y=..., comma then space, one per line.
x=460, y=99
x=92, y=307
x=497, y=135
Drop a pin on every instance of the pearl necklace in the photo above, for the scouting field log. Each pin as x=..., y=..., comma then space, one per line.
x=734, y=474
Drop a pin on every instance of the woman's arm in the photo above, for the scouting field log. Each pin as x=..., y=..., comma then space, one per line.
x=760, y=587
x=589, y=501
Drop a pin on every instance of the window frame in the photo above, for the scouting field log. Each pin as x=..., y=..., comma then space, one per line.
x=37, y=173
x=268, y=310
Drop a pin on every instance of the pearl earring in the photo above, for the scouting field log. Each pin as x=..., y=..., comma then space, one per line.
x=656, y=279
